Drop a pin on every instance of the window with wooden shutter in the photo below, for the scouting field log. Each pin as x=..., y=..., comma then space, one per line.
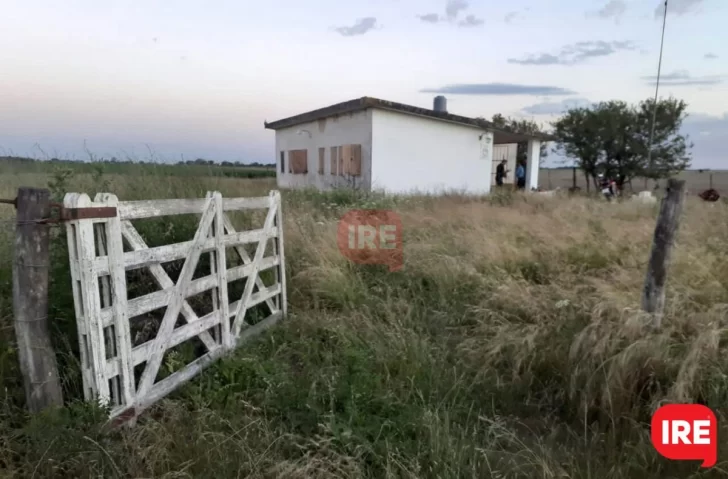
x=322, y=153
x=343, y=153
x=349, y=160
x=298, y=161
x=334, y=159
x=355, y=161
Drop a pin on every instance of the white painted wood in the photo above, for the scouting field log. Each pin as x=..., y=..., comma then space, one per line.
x=172, y=382
x=91, y=302
x=133, y=210
x=533, y=164
x=246, y=259
x=163, y=254
x=279, y=253
x=215, y=292
x=109, y=338
x=221, y=270
x=138, y=306
x=117, y=279
x=89, y=385
x=175, y=304
x=257, y=298
x=260, y=250
x=178, y=336
x=159, y=299
x=111, y=310
x=169, y=384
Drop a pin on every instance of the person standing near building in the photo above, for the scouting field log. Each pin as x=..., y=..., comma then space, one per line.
x=521, y=176
x=500, y=173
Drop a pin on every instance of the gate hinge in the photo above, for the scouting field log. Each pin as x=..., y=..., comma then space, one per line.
x=70, y=214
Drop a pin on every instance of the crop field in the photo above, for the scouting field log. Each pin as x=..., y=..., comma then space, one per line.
x=511, y=345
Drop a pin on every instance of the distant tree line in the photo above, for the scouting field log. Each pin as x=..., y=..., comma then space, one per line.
x=128, y=161
x=201, y=161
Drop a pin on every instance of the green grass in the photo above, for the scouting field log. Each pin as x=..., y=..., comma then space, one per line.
x=12, y=165
x=510, y=345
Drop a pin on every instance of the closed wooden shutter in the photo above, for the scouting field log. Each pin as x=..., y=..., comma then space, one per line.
x=298, y=161
x=344, y=155
x=334, y=159
x=355, y=161
x=322, y=153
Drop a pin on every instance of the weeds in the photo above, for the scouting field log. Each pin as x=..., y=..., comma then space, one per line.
x=510, y=345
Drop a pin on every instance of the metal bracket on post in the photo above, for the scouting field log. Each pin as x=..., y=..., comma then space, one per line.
x=71, y=214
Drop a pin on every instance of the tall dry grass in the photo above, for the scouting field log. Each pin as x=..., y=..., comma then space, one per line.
x=510, y=345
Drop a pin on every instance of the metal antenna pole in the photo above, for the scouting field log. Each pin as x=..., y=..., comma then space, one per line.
x=657, y=89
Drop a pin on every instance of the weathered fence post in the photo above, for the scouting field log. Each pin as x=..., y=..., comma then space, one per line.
x=668, y=221
x=30, y=301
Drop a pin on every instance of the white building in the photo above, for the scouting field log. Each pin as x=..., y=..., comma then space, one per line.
x=375, y=144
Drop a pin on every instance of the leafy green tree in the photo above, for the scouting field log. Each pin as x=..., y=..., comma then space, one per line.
x=577, y=133
x=670, y=149
x=613, y=138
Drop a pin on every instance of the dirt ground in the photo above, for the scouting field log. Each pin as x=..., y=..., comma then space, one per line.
x=696, y=181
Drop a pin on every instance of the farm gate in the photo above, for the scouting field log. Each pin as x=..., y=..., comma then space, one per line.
x=121, y=357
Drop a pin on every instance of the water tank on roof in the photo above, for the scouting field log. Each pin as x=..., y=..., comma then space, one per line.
x=440, y=104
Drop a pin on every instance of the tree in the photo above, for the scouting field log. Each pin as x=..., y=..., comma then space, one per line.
x=613, y=138
x=523, y=127
x=670, y=150
x=576, y=134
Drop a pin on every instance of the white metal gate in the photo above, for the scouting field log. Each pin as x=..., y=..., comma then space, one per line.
x=105, y=311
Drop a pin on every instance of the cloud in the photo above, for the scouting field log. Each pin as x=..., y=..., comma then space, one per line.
x=711, y=56
x=612, y=9
x=429, y=17
x=683, y=78
x=498, y=89
x=360, y=27
x=510, y=16
x=471, y=21
x=453, y=9
x=555, y=108
x=577, y=53
x=677, y=7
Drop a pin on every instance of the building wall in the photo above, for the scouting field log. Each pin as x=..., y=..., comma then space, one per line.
x=349, y=128
x=415, y=154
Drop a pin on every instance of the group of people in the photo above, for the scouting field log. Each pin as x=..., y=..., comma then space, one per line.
x=607, y=185
x=501, y=172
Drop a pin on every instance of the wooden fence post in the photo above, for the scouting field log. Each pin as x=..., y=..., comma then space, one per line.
x=668, y=221
x=30, y=301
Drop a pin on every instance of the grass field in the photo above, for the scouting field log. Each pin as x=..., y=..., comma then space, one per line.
x=511, y=345
x=14, y=166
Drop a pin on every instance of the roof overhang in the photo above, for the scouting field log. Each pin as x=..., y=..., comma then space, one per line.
x=364, y=103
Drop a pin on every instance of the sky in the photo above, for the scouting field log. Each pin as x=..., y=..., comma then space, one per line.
x=177, y=80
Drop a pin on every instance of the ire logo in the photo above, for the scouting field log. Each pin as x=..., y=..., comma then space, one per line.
x=372, y=237
x=686, y=432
